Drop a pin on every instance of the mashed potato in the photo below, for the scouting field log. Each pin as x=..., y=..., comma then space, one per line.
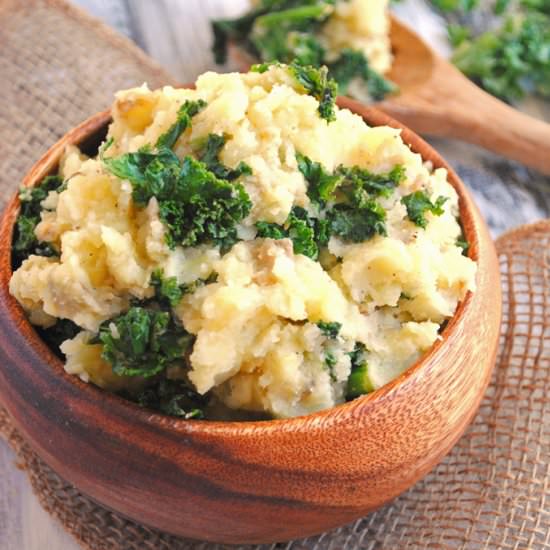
x=256, y=323
x=361, y=25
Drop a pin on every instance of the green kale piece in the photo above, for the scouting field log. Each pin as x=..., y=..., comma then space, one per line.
x=174, y=398
x=211, y=157
x=464, y=244
x=143, y=342
x=195, y=206
x=317, y=83
x=360, y=216
x=306, y=49
x=321, y=184
x=418, y=204
x=330, y=363
x=330, y=329
x=287, y=34
x=308, y=234
x=464, y=6
x=359, y=381
x=457, y=34
x=268, y=230
x=353, y=64
x=357, y=222
x=186, y=112
x=359, y=181
x=198, y=207
x=237, y=30
x=25, y=242
x=169, y=293
x=167, y=289
x=511, y=60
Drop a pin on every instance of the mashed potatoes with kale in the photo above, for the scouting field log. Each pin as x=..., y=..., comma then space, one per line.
x=231, y=239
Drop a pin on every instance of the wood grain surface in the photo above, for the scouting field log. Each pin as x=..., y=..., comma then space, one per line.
x=252, y=482
x=437, y=99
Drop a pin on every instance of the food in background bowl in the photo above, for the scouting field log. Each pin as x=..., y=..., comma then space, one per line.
x=246, y=245
x=351, y=37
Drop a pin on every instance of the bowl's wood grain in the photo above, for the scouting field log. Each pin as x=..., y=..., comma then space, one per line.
x=252, y=481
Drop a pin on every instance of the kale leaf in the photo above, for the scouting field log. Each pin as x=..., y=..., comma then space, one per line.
x=168, y=292
x=359, y=381
x=211, y=157
x=321, y=184
x=143, y=342
x=418, y=204
x=317, y=83
x=353, y=64
x=186, y=112
x=359, y=181
x=512, y=60
x=174, y=398
x=167, y=289
x=464, y=244
x=25, y=242
x=308, y=234
x=330, y=329
x=359, y=222
x=195, y=206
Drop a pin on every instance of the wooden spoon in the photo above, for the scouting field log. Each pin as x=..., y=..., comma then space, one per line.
x=437, y=99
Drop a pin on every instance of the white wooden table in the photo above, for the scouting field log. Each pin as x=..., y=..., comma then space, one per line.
x=177, y=34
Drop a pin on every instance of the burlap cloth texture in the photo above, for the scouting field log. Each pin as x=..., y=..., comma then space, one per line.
x=58, y=66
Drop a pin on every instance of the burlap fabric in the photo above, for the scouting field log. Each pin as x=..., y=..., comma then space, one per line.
x=57, y=66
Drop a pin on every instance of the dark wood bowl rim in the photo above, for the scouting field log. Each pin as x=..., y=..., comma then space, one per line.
x=374, y=117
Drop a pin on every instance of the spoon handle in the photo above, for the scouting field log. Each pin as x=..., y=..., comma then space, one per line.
x=450, y=105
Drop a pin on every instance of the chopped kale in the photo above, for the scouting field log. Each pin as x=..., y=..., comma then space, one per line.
x=174, y=398
x=359, y=382
x=330, y=363
x=104, y=146
x=418, y=204
x=25, y=242
x=359, y=180
x=211, y=158
x=464, y=244
x=321, y=184
x=308, y=234
x=169, y=293
x=353, y=64
x=143, y=342
x=189, y=288
x=268, y=230
x=167, y=289
x=357, y=222
x=330, y=329
x=195, y=206
x=317, y=83
x=512, y=60
x=359, y=217
x=186, y=112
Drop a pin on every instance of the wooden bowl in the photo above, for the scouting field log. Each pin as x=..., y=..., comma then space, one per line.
x=251, y=482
